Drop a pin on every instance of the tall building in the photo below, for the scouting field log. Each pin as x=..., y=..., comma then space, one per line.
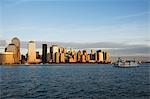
x=75, y=56
x=57, y=57
x=99, y=56
x=104, y=56
x=107, y=57
x=79, y=56
x=83, y=59
x=53, y=50
x=92, y=51
x=16, y=41
x=31, y=52
x=62, y=57
x=44, y=53
x=15, y=48
x=51, y=54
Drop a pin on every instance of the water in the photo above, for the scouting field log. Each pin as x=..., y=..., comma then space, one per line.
x=74, y=81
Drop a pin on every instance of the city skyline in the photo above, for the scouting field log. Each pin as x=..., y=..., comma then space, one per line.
x=110, y=24
x=56, y=54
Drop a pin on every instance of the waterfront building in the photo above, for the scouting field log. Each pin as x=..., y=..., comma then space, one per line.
x=31, y=52
x=83, y=58
x=75, y=56
x=53, y=50
x=79, y=56
x=38, y=55
x=12, y=48
x=65, y=50
x=99, y=56
x=62, y=57
x=92, y=51
x=71, y=50
x=107, y=57
x=15, y=48
x=57, y=57
x=71, y=60
x=23, y=59
x=7, y=58
x=51, y=54
x=92, y=56
x=104, y=56
x=95, y=56
x=88, y=58
x=16, y=42
x=44, y=53
x=48, y=58
x=85, y=52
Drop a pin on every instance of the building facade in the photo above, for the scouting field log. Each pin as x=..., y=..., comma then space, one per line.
x=31, y=52
x=44, y=53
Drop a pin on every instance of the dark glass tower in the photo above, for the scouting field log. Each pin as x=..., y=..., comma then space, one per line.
x=44, y=53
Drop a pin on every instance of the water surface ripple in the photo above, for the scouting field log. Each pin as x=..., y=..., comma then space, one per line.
x=74, y=81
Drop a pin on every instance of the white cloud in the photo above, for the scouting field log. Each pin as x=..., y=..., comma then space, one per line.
x=132, y=15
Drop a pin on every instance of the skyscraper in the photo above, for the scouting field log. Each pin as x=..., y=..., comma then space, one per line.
x=62, y=57
x=44, y=53
x=107, y=57
x=53, y=50
x=16, y=41
x=57, y=57
x=99, y=56
x=79, y=56
x=15, y=48
x=31, y=52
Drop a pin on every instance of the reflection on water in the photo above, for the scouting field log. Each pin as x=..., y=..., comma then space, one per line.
x=74, y=82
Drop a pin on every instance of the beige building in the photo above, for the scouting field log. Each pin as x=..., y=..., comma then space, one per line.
x=15, y=48
x=79, y=56
x=7, y=58
x=83, y=58
x=31, y=52
x=12, y=48
x=57, y=57
x=100, y=57
x=54, y=49
x=16, y=41
x=107, y=57
x=62, y=57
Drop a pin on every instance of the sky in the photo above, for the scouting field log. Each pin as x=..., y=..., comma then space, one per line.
x=77, y=21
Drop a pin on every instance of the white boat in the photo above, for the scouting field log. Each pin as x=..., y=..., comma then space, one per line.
x=121, y=63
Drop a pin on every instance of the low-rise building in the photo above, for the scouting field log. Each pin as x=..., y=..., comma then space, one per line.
x=7, y=58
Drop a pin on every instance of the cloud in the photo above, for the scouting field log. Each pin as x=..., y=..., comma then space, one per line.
x=133, y=15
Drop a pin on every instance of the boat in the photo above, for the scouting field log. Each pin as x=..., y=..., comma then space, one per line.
x=128, y=63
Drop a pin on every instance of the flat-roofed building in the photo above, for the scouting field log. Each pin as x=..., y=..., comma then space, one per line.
x=57, y=57
x=44, y=53
x=31, y=52
x=7, y=58
x=79, y=58
x=99, y=56
x=53, y=50
x=62, y=57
